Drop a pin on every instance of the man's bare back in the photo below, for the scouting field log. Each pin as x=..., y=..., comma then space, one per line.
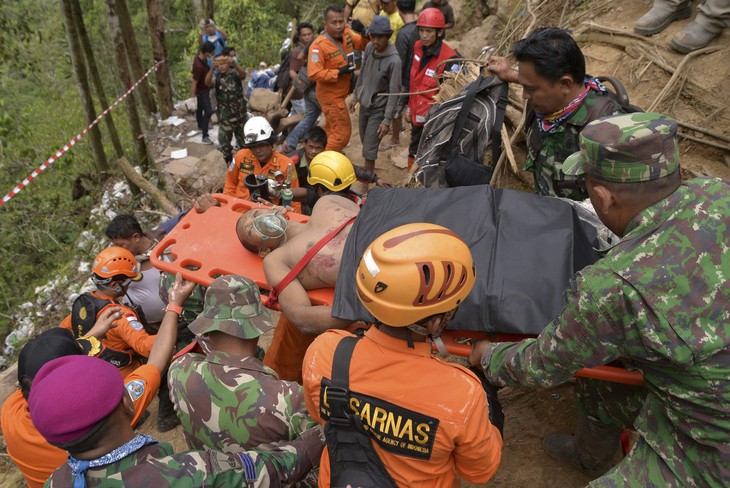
x=328, y=214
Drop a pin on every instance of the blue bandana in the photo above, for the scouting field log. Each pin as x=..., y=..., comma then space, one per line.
x=79, y=467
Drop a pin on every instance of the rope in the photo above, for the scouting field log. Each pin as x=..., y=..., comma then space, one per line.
x=75, y=139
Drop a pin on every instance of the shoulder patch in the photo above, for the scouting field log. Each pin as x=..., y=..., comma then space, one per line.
x=134, y=323
x=315, y=57
x=135, y=388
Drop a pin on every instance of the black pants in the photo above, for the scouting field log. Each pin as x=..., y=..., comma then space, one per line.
x=416, y=131
x=204, y=111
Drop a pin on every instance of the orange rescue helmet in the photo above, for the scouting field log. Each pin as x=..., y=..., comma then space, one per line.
x=431, y=17
x=413, y=272
x=115, y=261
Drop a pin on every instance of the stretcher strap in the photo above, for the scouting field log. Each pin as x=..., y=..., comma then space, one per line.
x=275, y=290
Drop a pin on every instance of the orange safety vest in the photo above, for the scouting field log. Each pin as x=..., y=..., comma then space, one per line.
x=245, y=163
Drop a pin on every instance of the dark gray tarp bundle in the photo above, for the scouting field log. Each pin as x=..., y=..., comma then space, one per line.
x=525, y=248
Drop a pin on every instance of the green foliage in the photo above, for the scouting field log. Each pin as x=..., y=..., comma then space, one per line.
x=41, y=224
x=256, y=29
x=40, y=111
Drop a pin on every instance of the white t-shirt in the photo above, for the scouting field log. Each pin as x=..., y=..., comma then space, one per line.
x=146, y=294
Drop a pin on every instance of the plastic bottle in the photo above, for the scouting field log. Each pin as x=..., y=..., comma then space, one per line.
x=286, y=197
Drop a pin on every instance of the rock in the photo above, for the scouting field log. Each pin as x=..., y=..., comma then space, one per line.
x=189, y=106
x=199, y=175
x=400, y=160
x=491, y=6
x=507, y=8
x=473, y=41
x=263, y=100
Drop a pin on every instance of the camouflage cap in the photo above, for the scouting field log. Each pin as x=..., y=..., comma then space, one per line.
x=627, y=148
x=233, y=306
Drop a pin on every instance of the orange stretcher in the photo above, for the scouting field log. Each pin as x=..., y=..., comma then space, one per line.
x=204, y=246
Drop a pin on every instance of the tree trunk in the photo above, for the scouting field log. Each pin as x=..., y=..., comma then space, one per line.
x=77, y=60
x=198, y=9
x=151, y=190
x=143, y=158
x=132, y=49
x=95, y=77
x=209, y=9
x=159, y=50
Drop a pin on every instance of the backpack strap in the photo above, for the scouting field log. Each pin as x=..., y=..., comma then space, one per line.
x=471, y=94
x=338, y=393
x=337, y=44
x=353, y=459
x=501, y=104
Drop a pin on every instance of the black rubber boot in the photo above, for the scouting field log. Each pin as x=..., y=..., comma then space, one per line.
x=166, y=417
x=591, y=450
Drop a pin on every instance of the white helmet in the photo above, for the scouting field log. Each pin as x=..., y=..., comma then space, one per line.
x=257, y=130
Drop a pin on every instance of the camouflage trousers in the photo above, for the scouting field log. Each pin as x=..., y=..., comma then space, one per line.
x=617, y=405
x=227, y=128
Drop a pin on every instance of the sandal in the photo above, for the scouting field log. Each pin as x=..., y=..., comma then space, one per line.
x=384, y=146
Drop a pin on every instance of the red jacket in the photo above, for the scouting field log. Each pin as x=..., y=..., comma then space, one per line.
x=423, y=77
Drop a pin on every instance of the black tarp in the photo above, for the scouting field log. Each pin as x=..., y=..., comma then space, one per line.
x=525, y=248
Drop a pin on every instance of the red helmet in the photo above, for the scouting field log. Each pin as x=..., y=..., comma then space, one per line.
x=431, y=17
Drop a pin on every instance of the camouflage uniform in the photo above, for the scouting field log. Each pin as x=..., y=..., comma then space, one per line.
x=156, y=465
x=192, y=307
x=232, y=402
x=659, y=300
x=547, y=151
x=231, y=111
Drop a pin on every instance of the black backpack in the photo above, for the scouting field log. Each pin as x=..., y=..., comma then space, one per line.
x=456, y=135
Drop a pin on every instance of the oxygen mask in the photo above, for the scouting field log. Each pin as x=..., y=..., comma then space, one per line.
x=270, y=226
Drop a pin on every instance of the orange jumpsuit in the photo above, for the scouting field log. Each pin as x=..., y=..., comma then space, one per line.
x=245, y=163
x=33, y=455
x=287, y=348
x=427, y=418
x=128, y=337
x=325, y=60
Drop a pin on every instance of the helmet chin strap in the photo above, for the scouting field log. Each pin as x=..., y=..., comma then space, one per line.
x=434, y=338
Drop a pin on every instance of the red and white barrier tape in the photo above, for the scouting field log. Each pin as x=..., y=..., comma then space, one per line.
x=75, y=139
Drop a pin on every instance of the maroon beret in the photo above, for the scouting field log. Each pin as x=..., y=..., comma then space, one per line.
x=72, y=394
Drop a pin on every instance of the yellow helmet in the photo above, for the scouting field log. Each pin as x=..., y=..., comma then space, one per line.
x=331, y=169
x=413, y=272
